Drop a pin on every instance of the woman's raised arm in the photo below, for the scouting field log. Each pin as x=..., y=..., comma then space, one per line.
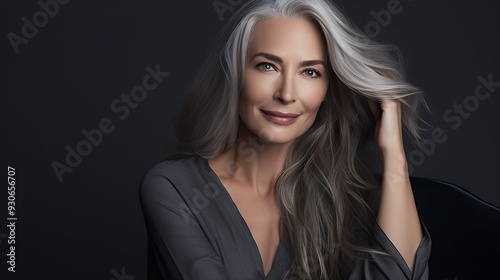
x=397, y=214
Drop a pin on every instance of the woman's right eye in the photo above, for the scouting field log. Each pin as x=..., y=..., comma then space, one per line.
x=265, y=66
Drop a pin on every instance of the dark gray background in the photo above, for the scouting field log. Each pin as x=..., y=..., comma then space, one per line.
x=65, y=78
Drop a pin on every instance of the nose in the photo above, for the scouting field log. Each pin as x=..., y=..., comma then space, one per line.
x=285, y=93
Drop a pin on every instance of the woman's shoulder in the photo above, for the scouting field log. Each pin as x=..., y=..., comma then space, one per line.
x=173, y=168
x=172, y=175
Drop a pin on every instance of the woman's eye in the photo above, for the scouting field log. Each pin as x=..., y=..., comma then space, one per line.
x=312, y=73
x=266, y=66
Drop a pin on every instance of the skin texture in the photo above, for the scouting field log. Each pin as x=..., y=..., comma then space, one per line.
x=249, y=168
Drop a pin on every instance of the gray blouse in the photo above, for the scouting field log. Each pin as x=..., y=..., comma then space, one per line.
x=195, y=232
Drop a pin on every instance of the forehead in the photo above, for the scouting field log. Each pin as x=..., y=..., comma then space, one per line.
x=284, y=36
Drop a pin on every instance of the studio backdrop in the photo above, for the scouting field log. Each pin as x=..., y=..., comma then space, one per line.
x=89, y=90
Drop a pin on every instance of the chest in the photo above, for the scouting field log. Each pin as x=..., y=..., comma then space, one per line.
x=262, y=218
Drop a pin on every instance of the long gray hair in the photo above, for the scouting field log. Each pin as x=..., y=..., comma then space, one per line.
x=324, y=190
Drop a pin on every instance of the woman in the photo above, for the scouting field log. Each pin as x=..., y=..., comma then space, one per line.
x=277, y=178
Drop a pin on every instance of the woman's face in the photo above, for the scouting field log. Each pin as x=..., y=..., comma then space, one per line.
x=285, y=80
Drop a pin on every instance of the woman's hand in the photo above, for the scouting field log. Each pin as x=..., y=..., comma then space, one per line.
x=389, y=128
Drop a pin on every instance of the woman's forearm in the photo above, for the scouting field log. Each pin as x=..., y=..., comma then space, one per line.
x=397, y=215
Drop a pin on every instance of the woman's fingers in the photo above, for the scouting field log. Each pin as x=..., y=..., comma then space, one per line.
x=389, y=128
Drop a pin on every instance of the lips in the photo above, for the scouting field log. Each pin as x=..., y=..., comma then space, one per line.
x=279, y=117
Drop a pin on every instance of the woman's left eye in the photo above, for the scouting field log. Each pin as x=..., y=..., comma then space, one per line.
x=265, y=66
x=312, y=73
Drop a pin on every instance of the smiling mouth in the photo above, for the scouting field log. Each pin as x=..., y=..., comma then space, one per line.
x=279, y=117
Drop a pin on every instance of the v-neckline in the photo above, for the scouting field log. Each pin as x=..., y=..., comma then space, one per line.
x=245, y=228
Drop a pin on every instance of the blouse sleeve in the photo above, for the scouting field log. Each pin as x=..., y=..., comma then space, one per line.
x=179, y=249
x=394, y=266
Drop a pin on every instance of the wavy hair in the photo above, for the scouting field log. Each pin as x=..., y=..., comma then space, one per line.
x=323, y=192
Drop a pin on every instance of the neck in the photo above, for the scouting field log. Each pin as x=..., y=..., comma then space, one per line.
x=251, y=163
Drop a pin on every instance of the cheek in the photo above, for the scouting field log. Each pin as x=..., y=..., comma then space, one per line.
x=247, y=99
x=255, y=87
x=312, y=95
x=254, y=91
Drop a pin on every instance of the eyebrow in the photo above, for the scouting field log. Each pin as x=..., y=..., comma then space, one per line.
x=279, y=60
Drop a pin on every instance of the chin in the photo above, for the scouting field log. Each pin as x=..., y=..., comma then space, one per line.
x=275, y=136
